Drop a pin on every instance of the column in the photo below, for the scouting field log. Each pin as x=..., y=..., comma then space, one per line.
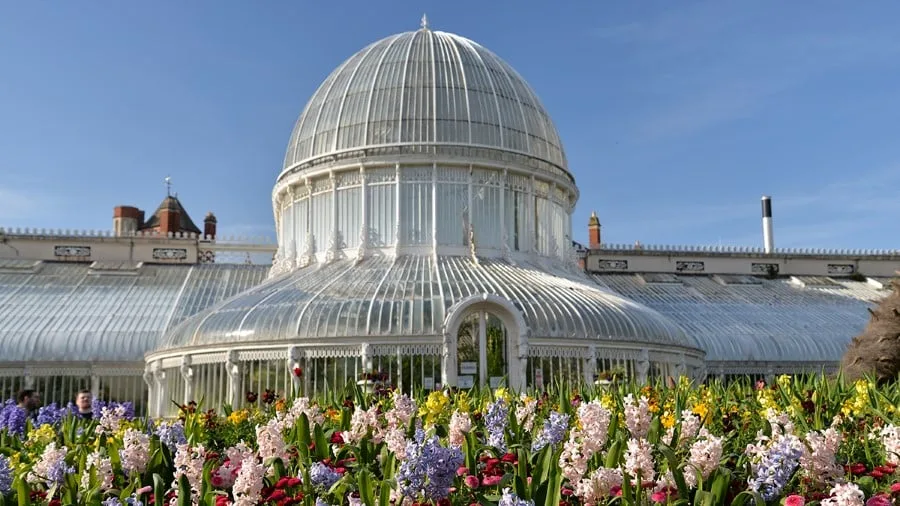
x=590, y=364
x=482, y=345
x=295, y=354
x=187, y=375
x=233, y=366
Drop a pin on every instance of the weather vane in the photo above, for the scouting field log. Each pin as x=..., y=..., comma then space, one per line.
x=168, y=186
x=424, y=21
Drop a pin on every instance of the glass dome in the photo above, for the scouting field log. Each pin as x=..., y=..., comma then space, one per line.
x=424, y=89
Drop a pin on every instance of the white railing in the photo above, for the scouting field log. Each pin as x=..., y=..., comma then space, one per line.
x=44, y=232
x=755, y=250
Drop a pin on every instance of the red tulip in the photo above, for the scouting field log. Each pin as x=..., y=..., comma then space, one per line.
x=895, y=488
x=471, y=481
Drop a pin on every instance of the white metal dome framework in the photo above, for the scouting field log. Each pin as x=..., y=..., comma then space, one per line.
x=424, y=230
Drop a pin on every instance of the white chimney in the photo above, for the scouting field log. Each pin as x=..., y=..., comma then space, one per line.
x=768, y=235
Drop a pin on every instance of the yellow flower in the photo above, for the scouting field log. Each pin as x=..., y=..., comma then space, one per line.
x=463, y=403
x=701, y=409
x=41, y=436
x=333, y=414
x=502, y=393
x=667, y=419
x=237, y=417
x=607, y=402
x=434, y=406
x=784, y=381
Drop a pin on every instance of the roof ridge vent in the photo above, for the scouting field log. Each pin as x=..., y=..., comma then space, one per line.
x=106, y=268
x=20, y=266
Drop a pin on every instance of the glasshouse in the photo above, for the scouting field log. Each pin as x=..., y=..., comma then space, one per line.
x=424, y=229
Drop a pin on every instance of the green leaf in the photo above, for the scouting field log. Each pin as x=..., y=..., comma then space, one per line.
x=159, y=489
x=677, y=471
x=184, y=491
x=23, y=492
x=366, y=492
x=321, y=443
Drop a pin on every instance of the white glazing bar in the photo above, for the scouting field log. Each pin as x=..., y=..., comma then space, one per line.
x=334, y=246
x=434, y=199
x=504, y=234
x=468, y=237
x=363, y=209
x=397, y=204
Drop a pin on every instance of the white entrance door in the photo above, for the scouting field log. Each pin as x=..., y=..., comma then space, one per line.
x=482, y=351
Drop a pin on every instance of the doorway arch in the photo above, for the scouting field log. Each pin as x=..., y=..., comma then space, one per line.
x=479, y=313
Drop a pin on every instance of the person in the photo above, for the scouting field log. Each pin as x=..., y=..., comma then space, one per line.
x=83, y=402
x=30, y=401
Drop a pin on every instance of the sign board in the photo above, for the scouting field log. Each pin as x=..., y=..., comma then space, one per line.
x=539, y=378
x=496, y=381
x=428, y=383
x=465, y=381
x=468, y=368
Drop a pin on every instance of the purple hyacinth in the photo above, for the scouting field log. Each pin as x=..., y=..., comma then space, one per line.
x=429, y=468
x=511, y=499
x=6, y=478
x=777, y=466
x=13, y=419
x=320, y=474
x=553, y=433
x=171, y=434
x=495, y=422
x=51, y=414
x=111, y=501
x=98, y=405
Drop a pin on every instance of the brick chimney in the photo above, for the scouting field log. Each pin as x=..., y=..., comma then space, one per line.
x=209, y=225
x=594, y=231
x=169, y=218
x=127, y=220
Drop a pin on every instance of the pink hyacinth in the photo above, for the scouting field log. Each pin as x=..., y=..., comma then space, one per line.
x=637, y=416
x=639, y=461
x=705, y=454
x=819, y=461
x=525, y=412
x=846, y=494
x=135, y=452
x=248, y=485
x=270, y=440
x=460, y=425
x=189, y=463
x=402, y=412
x=362, y=421
x=104, y=470
x=601, y=484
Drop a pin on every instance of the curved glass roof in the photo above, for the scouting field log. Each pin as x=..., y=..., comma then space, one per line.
x=409, y=297
x=67, y=312
x=424, y=88
x=765, y=321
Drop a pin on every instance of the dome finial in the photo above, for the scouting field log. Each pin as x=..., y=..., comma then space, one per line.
x=424, y=21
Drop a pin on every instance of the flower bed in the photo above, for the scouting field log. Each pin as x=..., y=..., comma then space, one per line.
x=795, y=442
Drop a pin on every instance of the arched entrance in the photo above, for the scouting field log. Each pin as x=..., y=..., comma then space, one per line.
x=482, y=351
x=485, y=343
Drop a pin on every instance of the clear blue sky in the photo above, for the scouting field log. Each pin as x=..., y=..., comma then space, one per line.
x=676, y=116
